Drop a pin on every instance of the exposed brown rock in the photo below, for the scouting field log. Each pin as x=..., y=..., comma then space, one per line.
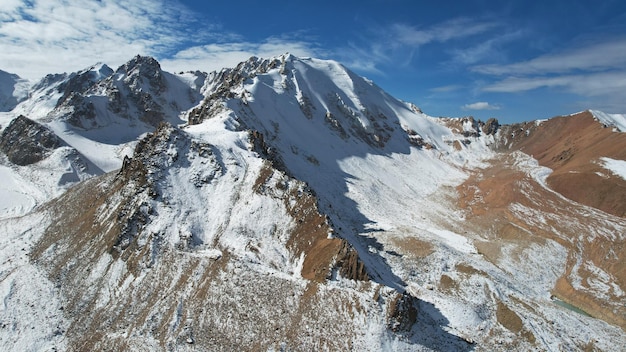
x=572, y=147
x=349, y=263
x=446, y=283
x=508, y=318
x=310, y=236
x=491, y=126
x=413, y=246
x=402, y=313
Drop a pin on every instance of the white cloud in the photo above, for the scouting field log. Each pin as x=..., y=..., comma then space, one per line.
x=596, y=72
x=398, y=43
x=593, y=84
x=9, y=8
x=364, y=59
x=481, y=105
x=402, y=34
x=446, y=89
x=488, y=49
x=598, y=56
x=213, y=57
x=47, y=36
x=38, y=37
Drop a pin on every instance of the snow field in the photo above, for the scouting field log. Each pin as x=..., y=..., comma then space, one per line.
x=31, y=309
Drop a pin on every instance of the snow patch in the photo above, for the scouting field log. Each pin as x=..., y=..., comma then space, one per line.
x=454, y=240
x=616, y=120
x=617, y=167
x=17, y=194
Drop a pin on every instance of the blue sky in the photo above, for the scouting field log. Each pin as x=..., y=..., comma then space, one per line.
x=514, y=60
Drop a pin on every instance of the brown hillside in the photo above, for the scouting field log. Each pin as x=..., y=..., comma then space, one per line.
x=514, y=211
x=572, y=146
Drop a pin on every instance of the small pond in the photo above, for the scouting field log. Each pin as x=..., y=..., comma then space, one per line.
x=569, y=306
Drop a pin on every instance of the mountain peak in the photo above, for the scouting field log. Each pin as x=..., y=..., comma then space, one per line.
x=289, y=57
x=101, y=70
x=328, y=97
x=142, y=64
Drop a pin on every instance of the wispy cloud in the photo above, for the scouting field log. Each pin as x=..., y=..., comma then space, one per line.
x=446, y=89
x=593, y=84
x=50, y=36
x=598, y=56
x=596, y=72
x=487, y=49
x=213, y=57
x=398, y=43
x=403, y=34
x=481, y=105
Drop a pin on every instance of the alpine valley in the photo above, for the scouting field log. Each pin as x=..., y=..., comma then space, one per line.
x=290, y=204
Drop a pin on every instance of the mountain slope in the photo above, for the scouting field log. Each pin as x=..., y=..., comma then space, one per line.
x=311, y=115
x=38, y=166
x=97, y=114
x=13, y=90
x=181, y=269
x=294, y=205
x=574, y=148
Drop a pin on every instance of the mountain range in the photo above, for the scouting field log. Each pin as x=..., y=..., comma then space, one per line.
x=290, y=204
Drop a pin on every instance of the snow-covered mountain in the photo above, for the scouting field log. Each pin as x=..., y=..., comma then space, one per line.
x=97, y=114
x=13, y=90
x=289, y=204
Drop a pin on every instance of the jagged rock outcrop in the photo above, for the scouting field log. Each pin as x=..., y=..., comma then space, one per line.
x=416, y=140
x=25, y=141
x=81, y=81
x=258, y=144
x=491, y=126
x=138, y=91
x=349, y=264
x=465, y=130
x=402, y=312
x=144, y=81
x=141, y=71
x=74, y=97
x=153, y=155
